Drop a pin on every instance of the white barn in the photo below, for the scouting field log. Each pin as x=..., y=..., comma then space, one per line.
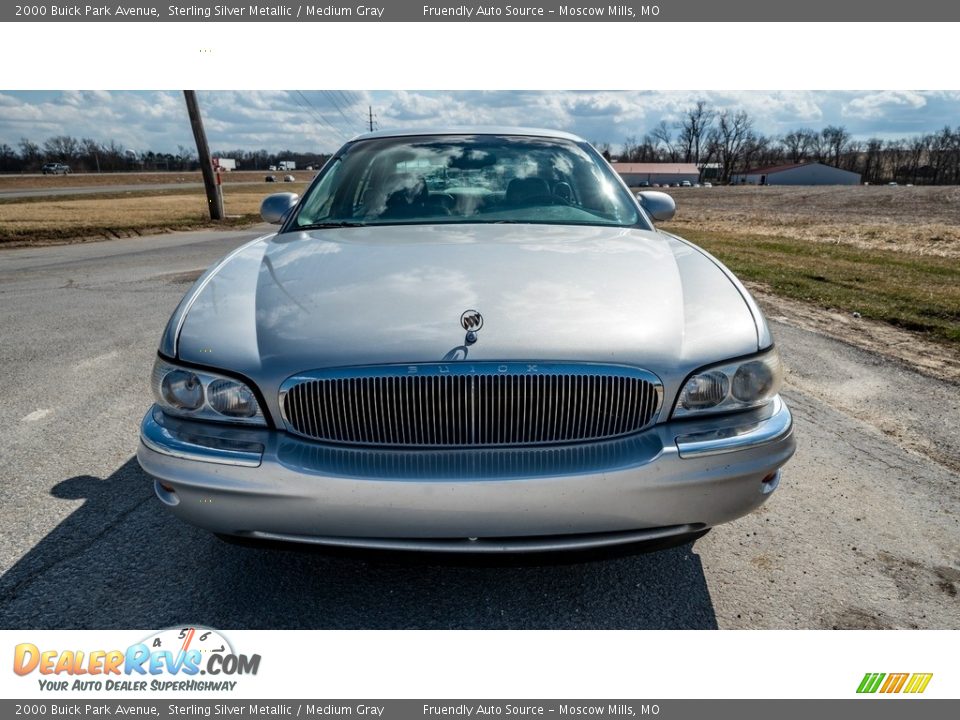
x=637, y=174
x=813, y=173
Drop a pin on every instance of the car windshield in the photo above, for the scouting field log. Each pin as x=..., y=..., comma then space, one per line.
x=467, y=179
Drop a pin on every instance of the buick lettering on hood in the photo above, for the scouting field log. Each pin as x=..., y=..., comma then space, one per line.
x=470, y=342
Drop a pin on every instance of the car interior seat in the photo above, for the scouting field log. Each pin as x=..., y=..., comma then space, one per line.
x=520, y=191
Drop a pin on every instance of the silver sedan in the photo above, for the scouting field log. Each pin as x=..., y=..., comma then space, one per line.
x=466, y=342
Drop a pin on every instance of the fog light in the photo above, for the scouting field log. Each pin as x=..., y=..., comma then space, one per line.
x=165, y=493
x=770, y=483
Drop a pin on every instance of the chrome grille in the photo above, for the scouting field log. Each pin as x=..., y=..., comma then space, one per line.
x=464, y=405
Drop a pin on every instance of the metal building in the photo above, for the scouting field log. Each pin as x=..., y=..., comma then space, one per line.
x=640, y=174
x=813, y=173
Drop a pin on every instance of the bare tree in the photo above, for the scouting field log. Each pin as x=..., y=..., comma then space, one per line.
x=8, y=158
x=693, y=130
x=797, y=144
x=873, y=160
x=630, y=149
x=851, y=156
x=730, y=137
x=661, y=134
x=30, y=154
x=756, y=151
x=61, y=147
x=819, y=147
x=835, y=139
x=90, y=152
x=185, y=156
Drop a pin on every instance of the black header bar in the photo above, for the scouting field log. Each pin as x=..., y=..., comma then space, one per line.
x=491, y=11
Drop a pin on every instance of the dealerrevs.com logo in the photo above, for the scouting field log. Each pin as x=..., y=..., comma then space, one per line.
x=172, y=659
x=910, y=683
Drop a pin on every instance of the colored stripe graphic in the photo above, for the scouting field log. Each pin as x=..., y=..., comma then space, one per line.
x=894, y=682
x=918, y=682
x=870, y=682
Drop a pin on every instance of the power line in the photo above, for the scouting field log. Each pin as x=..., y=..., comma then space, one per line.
x=332, y=101
x=353, y=99
x=350, y=105
x=308, y=106
x=305, y=103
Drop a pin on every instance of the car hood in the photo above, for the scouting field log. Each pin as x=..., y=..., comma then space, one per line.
x=395, y=294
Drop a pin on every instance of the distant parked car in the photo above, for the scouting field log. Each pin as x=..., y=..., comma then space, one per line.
x=289, y=178
x=707, y=184
x=622, y=386
x=270, y=178
x=55, y=169
x=686, y=183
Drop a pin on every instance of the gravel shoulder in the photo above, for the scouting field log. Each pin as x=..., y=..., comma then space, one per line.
x=906, y=348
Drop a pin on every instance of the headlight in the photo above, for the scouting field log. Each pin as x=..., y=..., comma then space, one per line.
x=232, y=398
x=202, y=395
x=740, y=385
x=182, y=389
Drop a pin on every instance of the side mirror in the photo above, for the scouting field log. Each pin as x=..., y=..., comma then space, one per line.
x=274, y=208
x=659, y=205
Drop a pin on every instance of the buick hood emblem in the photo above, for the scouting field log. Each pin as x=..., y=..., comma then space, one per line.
x=471, y=321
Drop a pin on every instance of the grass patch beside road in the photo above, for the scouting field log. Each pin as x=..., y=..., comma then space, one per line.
x=52, y=219
x=915, y=292
x=31, y=182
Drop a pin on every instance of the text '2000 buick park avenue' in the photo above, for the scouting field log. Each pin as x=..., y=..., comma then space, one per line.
x=473, y=342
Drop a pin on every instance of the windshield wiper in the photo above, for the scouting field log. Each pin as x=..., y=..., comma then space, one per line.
x=334, y=224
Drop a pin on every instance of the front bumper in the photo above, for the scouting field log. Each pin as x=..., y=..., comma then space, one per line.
x=673, y=479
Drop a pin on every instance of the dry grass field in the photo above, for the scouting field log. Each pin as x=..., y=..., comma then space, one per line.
x=913, y=220
x=39, y=182
x=56, y=219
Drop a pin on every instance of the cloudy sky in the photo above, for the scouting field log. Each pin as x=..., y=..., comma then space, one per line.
x=320, y=121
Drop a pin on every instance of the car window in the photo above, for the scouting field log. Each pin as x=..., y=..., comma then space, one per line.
x=467, y=178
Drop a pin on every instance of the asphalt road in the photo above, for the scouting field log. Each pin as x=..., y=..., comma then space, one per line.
x=864, y=531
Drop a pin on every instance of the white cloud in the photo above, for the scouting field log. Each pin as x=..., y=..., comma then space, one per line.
x=316, y=120
x=879, y=104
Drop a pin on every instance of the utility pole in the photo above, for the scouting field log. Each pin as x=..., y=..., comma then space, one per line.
x=370, y=111
x=210, y=180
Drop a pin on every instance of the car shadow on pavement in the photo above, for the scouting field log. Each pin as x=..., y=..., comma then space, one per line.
x=121, y=561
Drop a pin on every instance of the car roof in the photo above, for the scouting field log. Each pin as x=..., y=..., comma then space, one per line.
x=472, y=130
